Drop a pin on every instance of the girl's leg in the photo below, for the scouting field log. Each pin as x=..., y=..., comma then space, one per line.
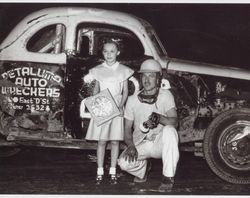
x=114, y=153
x=114, y=157
x=101, y=147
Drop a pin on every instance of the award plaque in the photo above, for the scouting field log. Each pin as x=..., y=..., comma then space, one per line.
x=102, y=107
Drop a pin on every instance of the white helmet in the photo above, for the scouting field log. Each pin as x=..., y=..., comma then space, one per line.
x=150, y=65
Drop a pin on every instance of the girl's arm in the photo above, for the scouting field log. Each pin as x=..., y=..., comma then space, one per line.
x=124, y=95
x=96, y=88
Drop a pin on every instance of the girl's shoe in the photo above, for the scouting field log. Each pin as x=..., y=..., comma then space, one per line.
x=113, y=179
x=98, y=179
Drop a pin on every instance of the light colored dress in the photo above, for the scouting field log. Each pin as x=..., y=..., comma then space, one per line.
x=111, y=77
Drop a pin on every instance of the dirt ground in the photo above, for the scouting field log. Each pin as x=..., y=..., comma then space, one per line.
x=58, y=171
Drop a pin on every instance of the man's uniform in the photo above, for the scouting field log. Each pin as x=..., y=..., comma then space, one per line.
x=160, y=142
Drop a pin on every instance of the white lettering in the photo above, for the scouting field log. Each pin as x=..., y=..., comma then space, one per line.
x=25, y=71
x=24, y=91
x=34, y=81
x=37, y=100
x=49, y=93
x=57, y=78
x=56, y=93
x=18, y=91
x=26, y=82
x=40, y=73
x=18, y=71
x=12, y=74
x=4, y=90
x=4, y=75
x=42, y=83
x=41, y=92
x=19, y=81
x=30, y=71
x=33, y=91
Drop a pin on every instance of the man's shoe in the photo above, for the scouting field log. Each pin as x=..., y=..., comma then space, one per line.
x=166, y=184
x=139, y=180
x=144, y=179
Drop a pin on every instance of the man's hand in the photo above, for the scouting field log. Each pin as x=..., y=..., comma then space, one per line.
x=153, y=120
x=131, y=154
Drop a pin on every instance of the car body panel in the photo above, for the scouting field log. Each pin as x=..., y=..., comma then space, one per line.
x=208, y=69
x=32, y=93
x=70, y=17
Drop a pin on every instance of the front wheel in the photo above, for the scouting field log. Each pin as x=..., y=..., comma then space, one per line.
x=227, y=146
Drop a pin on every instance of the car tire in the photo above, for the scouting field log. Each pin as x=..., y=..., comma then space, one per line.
x=229, y=160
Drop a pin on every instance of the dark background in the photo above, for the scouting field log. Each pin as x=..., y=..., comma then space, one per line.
x=213, y=33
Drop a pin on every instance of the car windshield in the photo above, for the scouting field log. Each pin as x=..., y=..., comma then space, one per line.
x=156, y=41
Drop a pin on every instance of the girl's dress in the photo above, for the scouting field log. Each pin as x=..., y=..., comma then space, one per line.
x=110, y=77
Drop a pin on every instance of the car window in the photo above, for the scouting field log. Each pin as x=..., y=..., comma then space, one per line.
x=90, y=39
x=49, y=39
x=156, y=41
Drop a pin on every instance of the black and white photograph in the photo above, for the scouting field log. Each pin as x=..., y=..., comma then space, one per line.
x=124, y=98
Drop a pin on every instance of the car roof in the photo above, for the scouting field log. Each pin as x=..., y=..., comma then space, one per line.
x=97, y=12
x=91, y=14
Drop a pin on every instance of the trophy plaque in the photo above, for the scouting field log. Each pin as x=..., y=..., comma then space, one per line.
x=102, y=107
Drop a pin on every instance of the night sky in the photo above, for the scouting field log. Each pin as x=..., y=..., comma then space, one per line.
x=213, y=33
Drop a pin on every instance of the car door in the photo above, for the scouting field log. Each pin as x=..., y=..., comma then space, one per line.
x=32, y=83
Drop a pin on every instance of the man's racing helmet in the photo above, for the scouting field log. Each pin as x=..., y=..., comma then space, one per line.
x=147, y=66
x=150, y=65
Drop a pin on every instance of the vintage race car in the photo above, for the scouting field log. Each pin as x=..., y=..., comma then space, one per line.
x=43, y=62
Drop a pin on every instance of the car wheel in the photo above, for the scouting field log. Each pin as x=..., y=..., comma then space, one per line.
x=9, y=151
x=227, y=156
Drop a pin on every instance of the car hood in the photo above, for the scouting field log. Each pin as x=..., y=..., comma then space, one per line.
x=207, y=69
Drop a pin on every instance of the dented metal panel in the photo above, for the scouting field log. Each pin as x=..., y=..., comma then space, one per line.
x=31, y=97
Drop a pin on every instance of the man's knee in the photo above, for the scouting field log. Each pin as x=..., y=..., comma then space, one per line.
x=124, y=165
x=170, y=133
x=169, y=129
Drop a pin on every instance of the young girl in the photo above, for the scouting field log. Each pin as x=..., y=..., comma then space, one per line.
x=114, y=76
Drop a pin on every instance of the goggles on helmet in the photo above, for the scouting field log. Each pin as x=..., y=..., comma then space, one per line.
x=149, y=99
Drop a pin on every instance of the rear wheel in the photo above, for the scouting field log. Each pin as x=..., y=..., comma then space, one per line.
x=229, y=158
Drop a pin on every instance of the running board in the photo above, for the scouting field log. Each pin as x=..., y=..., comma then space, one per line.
x=45, y=140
